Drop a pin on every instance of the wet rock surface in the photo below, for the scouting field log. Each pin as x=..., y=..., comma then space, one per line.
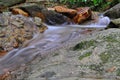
x=92, y=57
x=16, y=29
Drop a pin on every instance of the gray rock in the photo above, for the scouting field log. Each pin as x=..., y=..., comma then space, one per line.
x=116, y=22
x=47, y=74
x=7, y=3
x=113, y=12
x=16, y=29
x=95, y=57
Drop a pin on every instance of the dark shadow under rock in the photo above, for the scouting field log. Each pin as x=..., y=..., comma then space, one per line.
x=48, y=74
x=115, y=23
x=54, y=18
x=48, y=16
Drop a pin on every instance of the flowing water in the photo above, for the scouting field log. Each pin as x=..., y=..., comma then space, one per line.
x=51, y=39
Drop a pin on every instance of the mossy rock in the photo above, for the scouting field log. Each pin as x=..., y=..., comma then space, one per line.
x=105, y=57
x=84, y=45
x=85, y=55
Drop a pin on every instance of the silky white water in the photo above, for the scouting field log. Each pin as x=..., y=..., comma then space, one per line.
x=51, y=39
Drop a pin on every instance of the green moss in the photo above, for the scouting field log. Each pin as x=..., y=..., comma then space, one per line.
x=118, y=72
x=111, y=38
x=85, y=55
x=105, y=57
x=84, y=45
x=97, y=67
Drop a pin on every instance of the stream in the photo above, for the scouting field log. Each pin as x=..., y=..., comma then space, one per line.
x=53, y=38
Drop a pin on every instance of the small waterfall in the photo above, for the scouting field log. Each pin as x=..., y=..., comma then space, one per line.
x=51, y=39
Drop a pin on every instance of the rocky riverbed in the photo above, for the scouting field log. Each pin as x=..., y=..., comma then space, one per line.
x=92, y=57
x=16, y=29
x=69, y=54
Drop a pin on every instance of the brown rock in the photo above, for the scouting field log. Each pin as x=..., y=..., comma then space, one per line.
x=40, y=15
x=5, y=76
x=19, y=11
x=65, y=10
x=68, y=12
x=112, y=69
x=17, y=31
x=83, y=14
x=2, y=53
x=34, y=11
x=53, y=9
x=48, y=16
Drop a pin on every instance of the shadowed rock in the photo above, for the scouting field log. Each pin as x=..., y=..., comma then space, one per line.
x=8, y=3
x=48, y=16
x=113, y=12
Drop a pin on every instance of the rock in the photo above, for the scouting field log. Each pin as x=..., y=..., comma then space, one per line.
x=2, y=53
x=3, y=20
x=47, y=16
x=53, y=9
x=34, y=10
x=83, y=14
x=36, y=0
x=37, y=20
x=66, y=11
x=39, y=23
x=116, y=22
x=7, y=3
x=47, y=74
x=16, y=29
x=54, y=18
x=113, y=12
x=19, y=11
x=90, y=57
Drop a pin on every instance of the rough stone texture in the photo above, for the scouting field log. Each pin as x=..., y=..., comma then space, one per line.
x=90, y=57
x=48, y=16
x=7, y=3
x=16, y=29
x=83, y=13
x=116, y=22
x=66, y=11
x=114, y=12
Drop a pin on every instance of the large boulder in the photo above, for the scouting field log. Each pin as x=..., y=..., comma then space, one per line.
x=7, y=3
x=16, y=29
x=48, y=16
x=91, y=57
x=113, y=12
x=115, y=23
